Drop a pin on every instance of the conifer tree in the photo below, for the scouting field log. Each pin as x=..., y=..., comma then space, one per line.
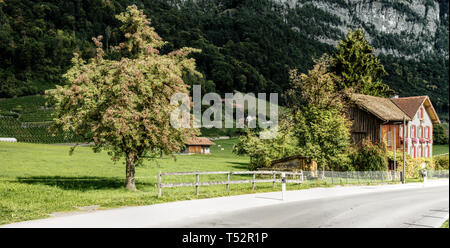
x=358, y=67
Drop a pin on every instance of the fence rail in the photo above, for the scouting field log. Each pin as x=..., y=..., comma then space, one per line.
x=228, y=182
x=327, y=177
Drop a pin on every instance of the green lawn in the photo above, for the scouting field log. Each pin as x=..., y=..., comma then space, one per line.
x=440, y=149
x=39, y=179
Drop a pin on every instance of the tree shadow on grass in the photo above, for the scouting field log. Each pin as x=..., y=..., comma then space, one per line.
x=81, y=183
x=239, y=165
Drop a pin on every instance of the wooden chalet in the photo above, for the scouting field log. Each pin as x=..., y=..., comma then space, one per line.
x=381, y=120
x=198, y=145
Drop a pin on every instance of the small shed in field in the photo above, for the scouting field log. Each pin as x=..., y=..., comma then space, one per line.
x=198, y=145
x=294, y=163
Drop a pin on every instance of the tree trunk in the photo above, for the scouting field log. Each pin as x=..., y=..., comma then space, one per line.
x=129, y=183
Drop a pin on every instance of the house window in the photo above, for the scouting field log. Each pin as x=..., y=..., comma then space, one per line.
x=389, y=138
x=421, y=132
x=421, y=113
x=406, y=131
x=400, y=131
x=428, y=151
x=421, y=151
x=413, y=131
x=428, y=132
x=413, y=151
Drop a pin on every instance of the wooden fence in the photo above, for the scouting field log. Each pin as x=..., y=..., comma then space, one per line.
x=228, y=182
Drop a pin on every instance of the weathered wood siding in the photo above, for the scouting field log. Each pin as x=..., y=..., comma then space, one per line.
x=389, y=129
x=365, y=125
x=195, y=149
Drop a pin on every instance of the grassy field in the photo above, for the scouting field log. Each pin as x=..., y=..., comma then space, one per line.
x=440, y=149
x=37, y=179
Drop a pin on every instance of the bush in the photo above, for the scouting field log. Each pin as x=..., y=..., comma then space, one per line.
x=263, y=151
x=369, y=157
x=413, y=166
x=441, y=162
x=439, y=134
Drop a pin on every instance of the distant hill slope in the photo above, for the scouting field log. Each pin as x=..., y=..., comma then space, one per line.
x=248, y=45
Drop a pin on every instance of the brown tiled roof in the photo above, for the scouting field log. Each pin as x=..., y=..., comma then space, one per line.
x=382, y=108
x=409, y=105
x=199, y=141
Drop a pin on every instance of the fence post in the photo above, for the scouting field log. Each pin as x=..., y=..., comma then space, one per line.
x=253, y=182
x=274, y=178
x=332, y=180
x=346, y=177
x=228, y=182
x=159, y=183
x=357, y=176
x=196, y=183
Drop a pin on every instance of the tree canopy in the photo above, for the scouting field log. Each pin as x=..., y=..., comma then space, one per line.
x=123, y=104
x=357, y=66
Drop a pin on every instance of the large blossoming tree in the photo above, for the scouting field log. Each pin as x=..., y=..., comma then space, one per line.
x=122, y=105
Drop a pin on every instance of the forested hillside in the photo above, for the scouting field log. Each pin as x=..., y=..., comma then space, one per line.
x=247, y=45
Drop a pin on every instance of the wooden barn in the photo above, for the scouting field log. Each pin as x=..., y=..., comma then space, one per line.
x=371, y=115
x=198, y=145
x=381, y=120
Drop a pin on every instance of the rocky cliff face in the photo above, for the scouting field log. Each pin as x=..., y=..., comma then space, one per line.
x=408, y=28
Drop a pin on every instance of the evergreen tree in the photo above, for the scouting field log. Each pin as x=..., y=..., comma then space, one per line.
x=358, y=67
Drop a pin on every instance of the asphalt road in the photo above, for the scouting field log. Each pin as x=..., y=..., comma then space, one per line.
x=417, y=207
x=397, y=205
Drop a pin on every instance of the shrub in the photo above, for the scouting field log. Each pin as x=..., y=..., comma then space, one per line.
x=369, y=157
x=413, y=166
x=263, y=151
x=439, y=134
x=441, y=162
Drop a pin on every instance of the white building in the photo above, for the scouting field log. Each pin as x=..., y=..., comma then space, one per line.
x=419, y=130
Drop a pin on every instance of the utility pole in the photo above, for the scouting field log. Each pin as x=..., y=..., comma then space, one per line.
x=395, y=150
x=404, y=157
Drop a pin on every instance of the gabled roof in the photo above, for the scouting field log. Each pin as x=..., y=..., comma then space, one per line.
x=383, y=108
x=199, y=141
x=410, y=105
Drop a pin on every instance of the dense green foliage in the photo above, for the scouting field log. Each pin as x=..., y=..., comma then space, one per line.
x=247, y=45
x=319, y=125
x=369, y=157
x=315, y=127
x=27, y=119
x=357, y=66
x=263, y=151
x=441, y=162
x=440, y=134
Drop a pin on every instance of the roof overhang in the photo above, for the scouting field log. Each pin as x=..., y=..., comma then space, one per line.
x=431, y=111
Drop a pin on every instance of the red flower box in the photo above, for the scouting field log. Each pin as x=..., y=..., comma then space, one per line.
x=414, y=140
x=422, y=140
